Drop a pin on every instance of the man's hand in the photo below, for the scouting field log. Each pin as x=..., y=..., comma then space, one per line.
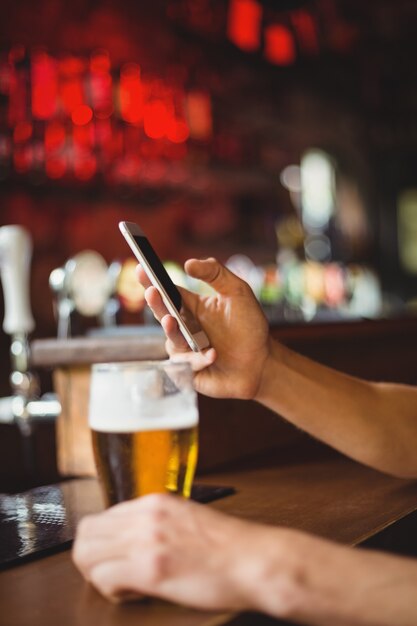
x=235, y=324
x=164, y=546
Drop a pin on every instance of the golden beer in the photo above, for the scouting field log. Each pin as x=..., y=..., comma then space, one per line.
x=144, y=422
x=151, y=461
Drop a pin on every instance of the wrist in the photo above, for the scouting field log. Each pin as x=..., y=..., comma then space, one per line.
x=272, y=580
x=269, y=375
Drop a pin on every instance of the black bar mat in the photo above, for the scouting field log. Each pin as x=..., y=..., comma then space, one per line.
x=43, y=520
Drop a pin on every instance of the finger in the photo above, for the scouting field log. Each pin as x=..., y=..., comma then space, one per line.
x=215, y=274
x=114, y=580
x=142, y=276
x=87, y=553
x=197, y=360
x=190, y=300
x=176, y=341
x=154, y=300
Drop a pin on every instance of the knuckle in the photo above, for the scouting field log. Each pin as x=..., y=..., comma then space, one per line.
x=156, y=534
x=243, y=287
x=156, y=507
x=157, y=566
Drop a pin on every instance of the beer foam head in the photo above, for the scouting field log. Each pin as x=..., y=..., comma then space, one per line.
x=129, y=397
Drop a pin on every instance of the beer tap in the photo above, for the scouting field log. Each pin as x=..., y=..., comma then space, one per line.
x=24, y=404
x=15, y=255
x=63, y=304
x=84, y=285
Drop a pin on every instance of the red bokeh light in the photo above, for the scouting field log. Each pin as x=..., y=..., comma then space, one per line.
x=55, y=167
x=55, y=136
x=100, y=62
x=85, y=167
x=22, y=159
x=306, y=29
x=22, y=132
x=83, y=136
x=82, y=115
x=71, y=89
x=244, y=24
x=178, y=131
x=155, y=120
x=279, y=45
x=44, y=86
x=199, y=115
x=101, y=85
x=131, y=94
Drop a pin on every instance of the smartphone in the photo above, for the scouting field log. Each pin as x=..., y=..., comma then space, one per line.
x=157, y=274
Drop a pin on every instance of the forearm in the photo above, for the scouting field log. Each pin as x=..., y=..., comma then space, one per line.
x=316, y=582
x=375, y=424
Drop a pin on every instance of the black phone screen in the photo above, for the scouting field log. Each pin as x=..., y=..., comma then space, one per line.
x=156, y=264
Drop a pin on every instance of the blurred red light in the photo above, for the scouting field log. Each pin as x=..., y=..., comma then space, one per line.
x=244, y=24
x=71, y=66
x=83, y=136
x=155, y=120
x=17, y=53
x=22, y=132
x=71, y=90
x=22, y=159
x=85, y=167
x=279, y=45
x=82, y=115
x=306, y=29
x=100, y=62
x=55, y=136
x=55, y=167
x=199, y=116
x=178, y=131
x=5, y=76
x=44, y=86
x=17, y=106
x=131, y=94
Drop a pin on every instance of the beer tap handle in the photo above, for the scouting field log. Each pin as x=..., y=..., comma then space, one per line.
x=15, y=256
x=63, y=304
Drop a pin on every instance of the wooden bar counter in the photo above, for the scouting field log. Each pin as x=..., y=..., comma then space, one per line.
x=306, y=486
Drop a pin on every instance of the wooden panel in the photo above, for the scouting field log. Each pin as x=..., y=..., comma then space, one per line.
x=73, y=437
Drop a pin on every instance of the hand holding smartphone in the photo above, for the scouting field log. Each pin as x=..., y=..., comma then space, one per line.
x=157, y=274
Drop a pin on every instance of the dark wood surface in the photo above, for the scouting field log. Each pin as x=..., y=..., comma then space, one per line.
x=307, y=486
x=86, y=350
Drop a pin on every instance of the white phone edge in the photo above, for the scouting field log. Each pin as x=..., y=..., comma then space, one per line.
x=196, y=342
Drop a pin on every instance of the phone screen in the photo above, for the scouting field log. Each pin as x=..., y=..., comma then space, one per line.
x=155, y=263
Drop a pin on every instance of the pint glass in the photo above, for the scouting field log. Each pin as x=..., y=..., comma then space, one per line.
x=144, y=419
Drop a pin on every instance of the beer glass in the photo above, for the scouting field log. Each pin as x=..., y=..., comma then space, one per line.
x=144, y=419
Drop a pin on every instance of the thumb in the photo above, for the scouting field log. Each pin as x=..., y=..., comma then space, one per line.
x=215, y=274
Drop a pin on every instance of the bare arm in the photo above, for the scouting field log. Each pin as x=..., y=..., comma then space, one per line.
x=374, y=423
x=178, y=550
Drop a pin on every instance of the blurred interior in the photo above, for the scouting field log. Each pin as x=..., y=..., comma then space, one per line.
x=278, y=136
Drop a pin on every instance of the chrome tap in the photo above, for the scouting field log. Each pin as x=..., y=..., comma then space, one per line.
x=15, y=257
